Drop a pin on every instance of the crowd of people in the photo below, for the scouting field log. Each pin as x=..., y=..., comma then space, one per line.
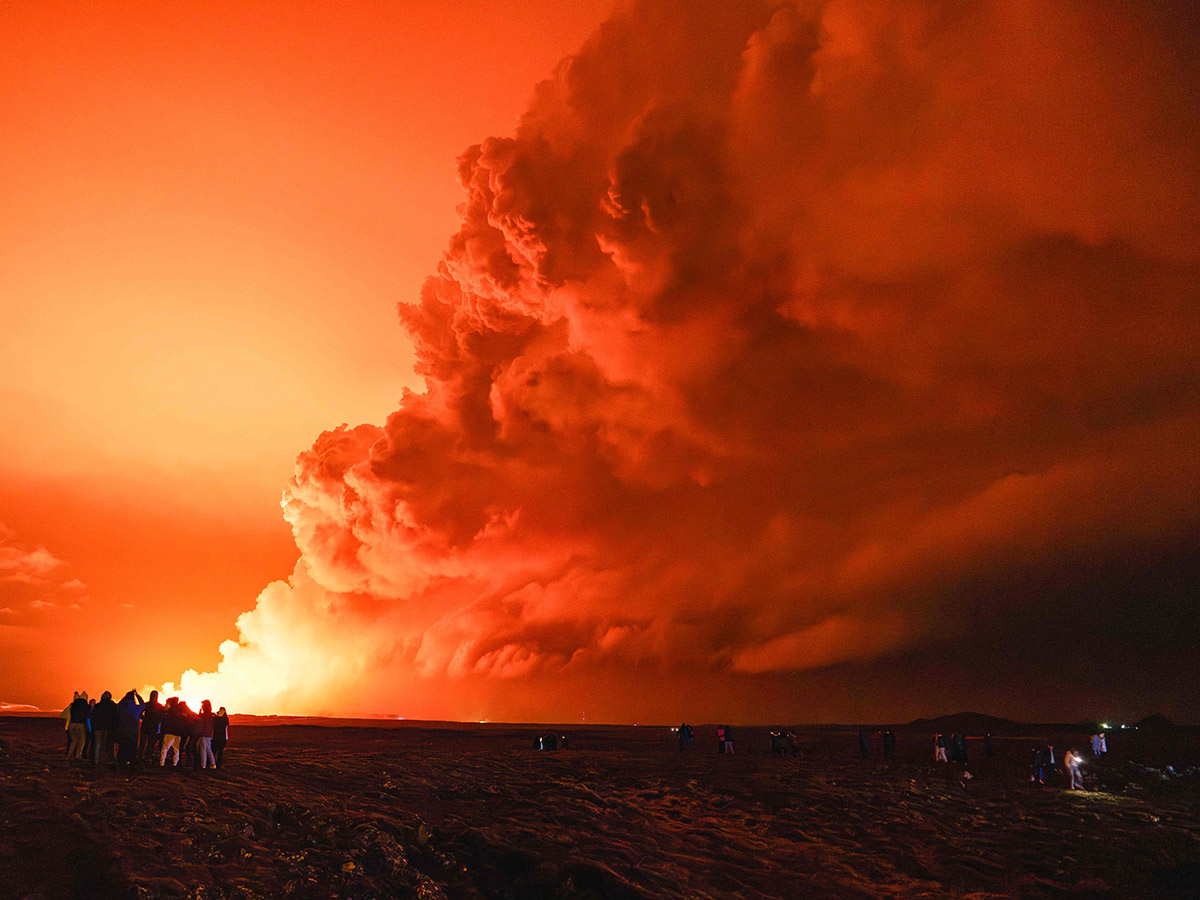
x=886, y=745
x=137, y=732
x=724, y=739
x=687, y=738
x=953, y=747
x=947, y=748
x=1044, y=769
x=552, y=742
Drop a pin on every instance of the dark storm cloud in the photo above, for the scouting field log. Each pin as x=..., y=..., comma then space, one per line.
x=775, y=338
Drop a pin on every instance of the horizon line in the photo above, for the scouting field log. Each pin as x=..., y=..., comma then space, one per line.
x=31, y=711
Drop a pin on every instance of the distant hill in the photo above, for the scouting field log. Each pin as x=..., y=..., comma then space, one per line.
x=969, y=722
x=1158, y=722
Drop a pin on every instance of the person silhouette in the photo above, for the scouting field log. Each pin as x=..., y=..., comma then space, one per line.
x=1073, y=762
x=104, y=728
x=1037, y=765
x=174, y=727
x=129, y=717
x=77, y=725
x=151, y=732
x=220, y=735
x=205, y=735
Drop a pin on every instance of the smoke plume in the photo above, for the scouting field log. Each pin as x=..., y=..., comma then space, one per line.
x=775, y=338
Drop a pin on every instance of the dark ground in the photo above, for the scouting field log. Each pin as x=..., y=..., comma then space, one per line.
x=432, y=811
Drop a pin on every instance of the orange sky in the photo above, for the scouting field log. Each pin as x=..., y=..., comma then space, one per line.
x=756, y=361
x=208, y=215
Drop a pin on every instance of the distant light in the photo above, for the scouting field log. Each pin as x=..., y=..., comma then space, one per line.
x=1104, y=725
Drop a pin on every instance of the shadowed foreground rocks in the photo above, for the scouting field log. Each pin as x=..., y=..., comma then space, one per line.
x=471, y=812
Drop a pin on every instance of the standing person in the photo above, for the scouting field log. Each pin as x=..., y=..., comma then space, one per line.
x=720, y=738
x=104, y=728
x=959, y=745
x=90, y=740
x=189, y=746
x=889, y=746
x=205, y=736
x=1103, y=744
x=683, y=737
x=778, y=743
x=65, y=715
x=864, y=743
x=728, y=739
x=173, y=728
x=220, y=735
x=77, y=725
x=939, y=748
x=151, y=730
x=129, y=718
x=1037, y=765
x=1073, y=761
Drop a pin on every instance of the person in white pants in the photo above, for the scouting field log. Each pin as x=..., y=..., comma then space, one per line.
x=173, y=725
x=170, y=742
x=1073, y=761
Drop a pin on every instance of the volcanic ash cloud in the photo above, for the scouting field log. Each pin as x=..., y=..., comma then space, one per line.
x=769, y=334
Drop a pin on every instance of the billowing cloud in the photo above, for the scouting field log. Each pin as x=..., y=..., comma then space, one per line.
x=772, y=335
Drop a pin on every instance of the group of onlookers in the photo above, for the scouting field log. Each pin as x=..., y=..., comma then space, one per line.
x=1043, y=768
x=724, y=739
x=687, y=738
x=145, y=732
x=886, y=745
x=953, y=747
x=783, y=743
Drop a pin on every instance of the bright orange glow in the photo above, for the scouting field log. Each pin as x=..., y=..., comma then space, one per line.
x=208, y=218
